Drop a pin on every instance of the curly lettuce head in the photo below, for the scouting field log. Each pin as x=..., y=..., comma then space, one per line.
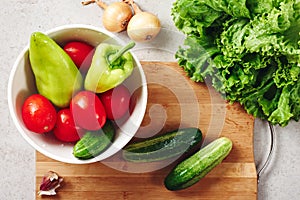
x=250, y=50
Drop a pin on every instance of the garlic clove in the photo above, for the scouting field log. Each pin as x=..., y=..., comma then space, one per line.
x=51, y=181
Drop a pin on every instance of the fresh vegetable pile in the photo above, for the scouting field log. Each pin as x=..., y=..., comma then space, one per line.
x=80, y=91
x=248, y=50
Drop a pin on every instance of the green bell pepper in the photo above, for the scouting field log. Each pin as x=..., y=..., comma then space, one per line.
x=111, y=65
x=56, y=76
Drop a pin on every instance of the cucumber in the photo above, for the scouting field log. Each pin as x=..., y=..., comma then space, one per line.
x=157, y=148
x=192, y=169
x=94, y=142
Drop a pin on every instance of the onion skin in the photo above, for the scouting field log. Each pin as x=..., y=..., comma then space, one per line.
x=116, y=16
x=143, y=27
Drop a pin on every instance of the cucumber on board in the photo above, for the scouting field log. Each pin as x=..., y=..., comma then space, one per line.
x=94, y=142
x=192, y=169
x=163, y=146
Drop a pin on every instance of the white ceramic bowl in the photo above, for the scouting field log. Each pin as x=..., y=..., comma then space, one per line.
x=21, y=85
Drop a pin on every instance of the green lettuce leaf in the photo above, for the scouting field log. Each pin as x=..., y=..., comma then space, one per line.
x=249, y=50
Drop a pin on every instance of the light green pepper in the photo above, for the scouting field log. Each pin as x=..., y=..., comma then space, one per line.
x=56, y=76
x=111, y=65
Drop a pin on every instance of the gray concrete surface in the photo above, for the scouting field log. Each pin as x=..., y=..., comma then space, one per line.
x=18, y=19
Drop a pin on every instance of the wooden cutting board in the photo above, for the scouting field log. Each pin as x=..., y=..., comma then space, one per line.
x=174, y=101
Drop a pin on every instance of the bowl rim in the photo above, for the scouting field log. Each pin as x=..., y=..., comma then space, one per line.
x=15, y=117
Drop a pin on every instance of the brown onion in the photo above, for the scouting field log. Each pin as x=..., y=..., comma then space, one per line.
x=143, y=26
x=116, y=15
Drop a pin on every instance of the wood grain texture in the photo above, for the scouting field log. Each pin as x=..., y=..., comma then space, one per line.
x=174, y=101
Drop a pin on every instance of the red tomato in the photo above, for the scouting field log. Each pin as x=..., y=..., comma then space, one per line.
x=65, y=128
x=81, y=53
x=38, y=113
x=88, y=111
x=116, y=102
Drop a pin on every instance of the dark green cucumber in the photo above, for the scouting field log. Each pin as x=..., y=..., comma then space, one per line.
x=94, y=142
x=157, y=148
x=191, y=170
